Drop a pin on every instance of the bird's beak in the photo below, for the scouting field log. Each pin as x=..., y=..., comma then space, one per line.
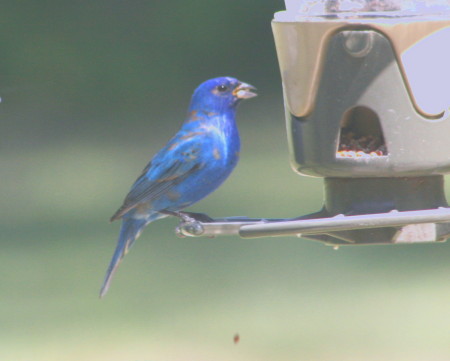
x=244, y=91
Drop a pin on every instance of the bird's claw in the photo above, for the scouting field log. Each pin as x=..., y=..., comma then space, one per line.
x=190, y=225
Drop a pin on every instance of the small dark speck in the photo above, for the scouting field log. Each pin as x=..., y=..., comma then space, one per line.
x=236, y=339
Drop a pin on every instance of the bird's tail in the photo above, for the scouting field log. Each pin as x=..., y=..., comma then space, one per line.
x=130, y=230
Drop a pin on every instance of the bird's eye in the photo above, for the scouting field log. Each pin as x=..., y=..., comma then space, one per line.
x=222, y=88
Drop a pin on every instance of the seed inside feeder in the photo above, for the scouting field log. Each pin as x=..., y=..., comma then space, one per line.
x=361, y=135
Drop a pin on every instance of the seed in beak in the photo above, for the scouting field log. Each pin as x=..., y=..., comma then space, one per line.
x=244, y=91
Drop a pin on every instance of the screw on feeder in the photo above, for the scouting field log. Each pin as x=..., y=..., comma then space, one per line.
x=190, y=228
x=358, y=43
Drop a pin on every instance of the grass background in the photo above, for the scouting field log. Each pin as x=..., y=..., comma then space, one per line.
x=90, y=92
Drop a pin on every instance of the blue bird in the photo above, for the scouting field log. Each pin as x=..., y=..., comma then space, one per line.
x=192, y=164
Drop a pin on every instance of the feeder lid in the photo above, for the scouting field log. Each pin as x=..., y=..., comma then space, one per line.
x=310, y=10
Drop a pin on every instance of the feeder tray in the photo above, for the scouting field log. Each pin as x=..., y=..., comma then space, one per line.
x=357, y=211
x=404, y=227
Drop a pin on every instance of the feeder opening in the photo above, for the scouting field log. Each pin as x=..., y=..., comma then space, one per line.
x=361, y=135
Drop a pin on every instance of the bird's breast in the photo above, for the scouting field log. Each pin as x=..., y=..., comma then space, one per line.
x=226, y=148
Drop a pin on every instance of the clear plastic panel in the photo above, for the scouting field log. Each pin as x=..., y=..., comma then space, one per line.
x=343, y=9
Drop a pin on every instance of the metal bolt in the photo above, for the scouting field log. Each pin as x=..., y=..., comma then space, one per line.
x=189, y=229
x=358, y=43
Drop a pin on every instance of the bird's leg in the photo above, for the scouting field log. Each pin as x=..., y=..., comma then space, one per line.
x=188, y=216
x=199, y=217
x=174, y=214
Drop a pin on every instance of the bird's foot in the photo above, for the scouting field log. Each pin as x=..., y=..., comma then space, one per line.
x=189, y=217
x=190, y=224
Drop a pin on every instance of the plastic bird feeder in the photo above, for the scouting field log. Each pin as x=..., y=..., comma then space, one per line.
x=366, y=97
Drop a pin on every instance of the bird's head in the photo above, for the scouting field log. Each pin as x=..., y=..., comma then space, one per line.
x=221, y=94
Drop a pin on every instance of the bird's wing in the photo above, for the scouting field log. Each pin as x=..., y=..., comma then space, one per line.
x=175, y=162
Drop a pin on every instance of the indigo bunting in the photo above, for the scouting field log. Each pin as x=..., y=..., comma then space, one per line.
x=192, y=164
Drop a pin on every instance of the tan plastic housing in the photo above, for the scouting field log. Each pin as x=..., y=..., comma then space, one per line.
x=302, y=46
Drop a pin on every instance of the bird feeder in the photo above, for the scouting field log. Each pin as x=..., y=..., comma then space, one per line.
x=365, y=85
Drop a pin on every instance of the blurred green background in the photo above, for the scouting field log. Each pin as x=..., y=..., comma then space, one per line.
x=91, y=90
